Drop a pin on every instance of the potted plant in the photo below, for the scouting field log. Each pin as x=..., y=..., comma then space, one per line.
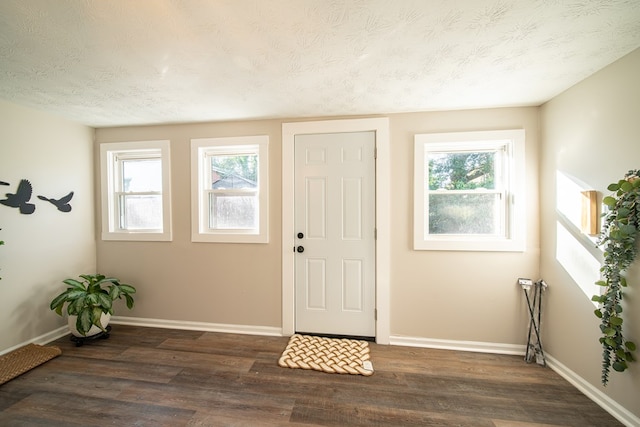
x=90, y=302
x=619, y=238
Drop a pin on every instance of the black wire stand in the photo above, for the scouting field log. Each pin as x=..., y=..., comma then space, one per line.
x=79, y=341
x=533, y=294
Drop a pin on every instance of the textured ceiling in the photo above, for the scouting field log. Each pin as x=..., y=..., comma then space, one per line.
x=123, y=62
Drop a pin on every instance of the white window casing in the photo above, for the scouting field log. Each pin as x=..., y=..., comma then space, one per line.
x=209, y=223
x=119, y=202
x=505, y=198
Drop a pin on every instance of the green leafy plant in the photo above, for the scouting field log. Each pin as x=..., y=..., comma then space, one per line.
x=619, y=239
x=91, y=297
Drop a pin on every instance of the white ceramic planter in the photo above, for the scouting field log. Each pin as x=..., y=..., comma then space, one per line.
x=104, y=319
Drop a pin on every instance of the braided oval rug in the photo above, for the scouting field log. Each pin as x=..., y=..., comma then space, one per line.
x=331, y=355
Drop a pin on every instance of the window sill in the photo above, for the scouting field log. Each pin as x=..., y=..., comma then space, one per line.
x=229, y=238
x=138, y=237
x=484, y=245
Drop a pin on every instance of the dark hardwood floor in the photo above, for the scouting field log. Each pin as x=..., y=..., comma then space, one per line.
x=162, y=377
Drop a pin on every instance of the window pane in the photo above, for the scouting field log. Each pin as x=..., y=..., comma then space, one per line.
x=462, y=170
x=229, y=211
x=141, y=212
x=464, y=213
x=234, y=171
x=140, y=175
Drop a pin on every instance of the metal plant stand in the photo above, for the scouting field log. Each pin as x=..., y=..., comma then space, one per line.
x=533, y=294
x=79, y=341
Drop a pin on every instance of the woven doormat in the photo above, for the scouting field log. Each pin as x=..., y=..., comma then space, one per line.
x=24, y=359
x=331, y=355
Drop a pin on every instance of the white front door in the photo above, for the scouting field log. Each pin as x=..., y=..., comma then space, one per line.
x=334, y=222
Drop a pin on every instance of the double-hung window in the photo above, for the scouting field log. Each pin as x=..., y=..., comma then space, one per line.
x=468, y=191
x=230, y=189
x=136, y=191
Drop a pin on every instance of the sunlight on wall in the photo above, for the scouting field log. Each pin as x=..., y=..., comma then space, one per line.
x=571, y=245
x=581, y=265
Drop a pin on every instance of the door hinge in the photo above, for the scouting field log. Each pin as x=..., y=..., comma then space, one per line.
x=375, y=314
x=375, y=153
x=375, y=234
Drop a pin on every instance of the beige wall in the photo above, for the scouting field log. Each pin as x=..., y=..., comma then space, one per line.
x=47, y=246
x=231, y=284
x=459, y=296
x=453, y=296
x=591, y=134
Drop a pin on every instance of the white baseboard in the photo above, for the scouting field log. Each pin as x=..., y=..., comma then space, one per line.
x=158, y=323
x=605, y=402
x=42, y=339
x=479, y=347
x=198, y=326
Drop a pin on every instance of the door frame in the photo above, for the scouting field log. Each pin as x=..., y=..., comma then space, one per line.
x=383, y=214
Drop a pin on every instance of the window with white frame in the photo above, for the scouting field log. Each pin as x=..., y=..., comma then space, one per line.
x=469, y=191
x=136, y=194
x=230, y=190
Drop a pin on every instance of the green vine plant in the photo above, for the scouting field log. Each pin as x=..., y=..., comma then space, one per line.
x=619, y=240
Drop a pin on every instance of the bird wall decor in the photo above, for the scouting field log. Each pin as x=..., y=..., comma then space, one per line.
x=62, y=204
x=20, y=199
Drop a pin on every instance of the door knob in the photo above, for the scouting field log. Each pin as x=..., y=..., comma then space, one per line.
x=300, y=249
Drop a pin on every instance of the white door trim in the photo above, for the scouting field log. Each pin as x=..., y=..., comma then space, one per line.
x=383, y=215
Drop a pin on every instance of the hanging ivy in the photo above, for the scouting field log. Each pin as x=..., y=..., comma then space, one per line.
x=619, y=240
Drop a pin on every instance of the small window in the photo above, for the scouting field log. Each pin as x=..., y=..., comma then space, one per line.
x=465, y=191
x=136, y=191
x=230, y=189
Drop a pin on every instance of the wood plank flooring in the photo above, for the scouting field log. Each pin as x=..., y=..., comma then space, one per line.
x=163, y=377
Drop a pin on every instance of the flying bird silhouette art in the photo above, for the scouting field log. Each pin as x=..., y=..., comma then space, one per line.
x=62, y=204
x=21, y=198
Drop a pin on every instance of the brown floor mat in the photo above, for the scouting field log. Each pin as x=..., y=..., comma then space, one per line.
x=24, y=359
